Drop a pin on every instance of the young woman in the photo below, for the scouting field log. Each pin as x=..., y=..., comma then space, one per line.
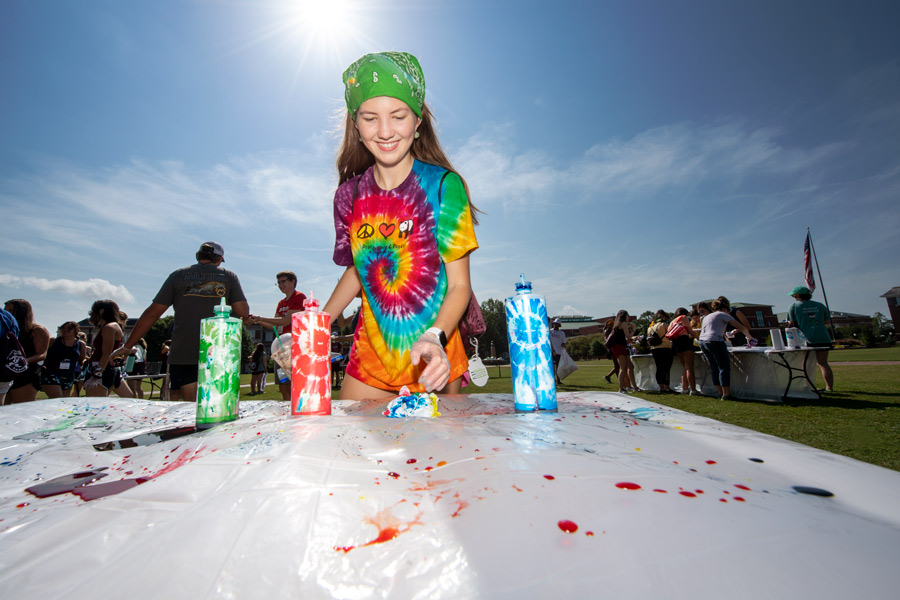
x=618, y=344
x=607, y=333
x=712, y=343
x=257, y=369
x=35, y=340
x=682, y=336
x=63, y=362
x=102, y=375
x=404, y=230
x=662, y=353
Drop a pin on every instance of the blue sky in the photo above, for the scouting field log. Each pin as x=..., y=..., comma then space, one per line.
x=638, y=155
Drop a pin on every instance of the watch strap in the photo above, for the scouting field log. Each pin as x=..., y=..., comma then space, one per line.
x=439, y=334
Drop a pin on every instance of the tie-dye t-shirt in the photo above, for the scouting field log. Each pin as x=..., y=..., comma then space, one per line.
x=399, y=240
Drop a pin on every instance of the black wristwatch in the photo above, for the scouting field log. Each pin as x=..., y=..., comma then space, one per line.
x=439, y=334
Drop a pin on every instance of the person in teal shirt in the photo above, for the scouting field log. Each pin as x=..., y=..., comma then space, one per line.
x=810, y=317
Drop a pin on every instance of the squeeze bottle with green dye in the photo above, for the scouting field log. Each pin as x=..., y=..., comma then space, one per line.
x=530, y=357
x=219, y=368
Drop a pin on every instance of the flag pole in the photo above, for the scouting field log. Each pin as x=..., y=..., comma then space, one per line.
x=821, y=283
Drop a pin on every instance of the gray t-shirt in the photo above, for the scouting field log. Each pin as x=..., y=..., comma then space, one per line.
x=193, y=292
x=713, y=329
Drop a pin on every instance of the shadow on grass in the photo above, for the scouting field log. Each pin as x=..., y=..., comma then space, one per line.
x=846, y=400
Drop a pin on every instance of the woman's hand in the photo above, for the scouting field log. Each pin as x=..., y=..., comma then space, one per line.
x=437, y=372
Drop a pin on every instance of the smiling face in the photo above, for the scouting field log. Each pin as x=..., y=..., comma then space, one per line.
x=387, y=127
x=286, y=285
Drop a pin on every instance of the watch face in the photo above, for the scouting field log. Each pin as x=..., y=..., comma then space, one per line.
x=443, y=339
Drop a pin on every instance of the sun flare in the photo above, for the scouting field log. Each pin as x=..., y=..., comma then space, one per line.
x=323, y=20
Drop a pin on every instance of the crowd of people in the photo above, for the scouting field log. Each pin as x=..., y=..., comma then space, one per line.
x=711, y=328
x=66, y=364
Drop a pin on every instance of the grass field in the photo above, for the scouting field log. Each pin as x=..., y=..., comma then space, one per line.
x=861, y=419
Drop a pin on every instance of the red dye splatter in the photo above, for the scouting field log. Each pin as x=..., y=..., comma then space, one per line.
x=711, y=462
x=429, y=468
x=589, y=533
x=183, y=459
x=550, y=477
x=389, y=527
x=411, y=461
x=625, y=485
x=698, y=491
x=739, y=499
x=661, y=491
x=517, y=488
x=23, y=505
x=568, y=526
x=722, y=500
x=460, y=505
x=688, y=494
x=742, y=487
x=394, y=475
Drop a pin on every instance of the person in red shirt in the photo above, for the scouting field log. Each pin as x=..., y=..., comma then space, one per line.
x=287, y=306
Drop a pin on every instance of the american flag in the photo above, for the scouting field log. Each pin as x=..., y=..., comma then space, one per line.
x=807, y=266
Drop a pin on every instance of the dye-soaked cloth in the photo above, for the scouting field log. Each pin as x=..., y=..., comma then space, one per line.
x=612, y=496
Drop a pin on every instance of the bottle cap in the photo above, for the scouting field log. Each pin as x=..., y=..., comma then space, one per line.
x=222, y=309
x=522, y=285
x=311, y=303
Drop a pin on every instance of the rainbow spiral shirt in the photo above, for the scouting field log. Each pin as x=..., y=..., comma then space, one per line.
x=399, y=240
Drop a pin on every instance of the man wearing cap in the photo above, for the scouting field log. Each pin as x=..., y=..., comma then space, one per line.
x=557, y=343
x=193, y=292
x=810, y=316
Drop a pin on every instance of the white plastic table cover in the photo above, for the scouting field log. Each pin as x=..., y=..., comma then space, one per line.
x=610, y=497
x=756, y=373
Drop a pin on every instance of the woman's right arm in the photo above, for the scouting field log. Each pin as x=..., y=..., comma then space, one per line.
x=347, y=288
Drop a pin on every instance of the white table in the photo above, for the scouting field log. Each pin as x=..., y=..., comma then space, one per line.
x=759, y=373
x=479, y=503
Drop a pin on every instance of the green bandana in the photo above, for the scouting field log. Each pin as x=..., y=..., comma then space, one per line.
x=394, y=74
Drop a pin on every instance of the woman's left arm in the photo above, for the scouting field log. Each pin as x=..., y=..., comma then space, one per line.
x=436, y=373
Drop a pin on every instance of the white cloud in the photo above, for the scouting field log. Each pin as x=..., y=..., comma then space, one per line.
x=284, y=186
x=91, y=288
x=677, y=156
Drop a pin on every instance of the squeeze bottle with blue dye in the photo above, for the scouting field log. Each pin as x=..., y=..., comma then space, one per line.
x=530, y=358
x=219, y=368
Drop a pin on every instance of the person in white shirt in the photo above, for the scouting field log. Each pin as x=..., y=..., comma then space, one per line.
x=557, y=344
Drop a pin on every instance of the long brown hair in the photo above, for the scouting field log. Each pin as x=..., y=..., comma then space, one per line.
x=21, y=310
x=108, y=311
x=354, y=158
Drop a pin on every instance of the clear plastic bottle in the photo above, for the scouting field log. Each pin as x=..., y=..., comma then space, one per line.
x=219, y=368
x=311, y=360
x=530, y=357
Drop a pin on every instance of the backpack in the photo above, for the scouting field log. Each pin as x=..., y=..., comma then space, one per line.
x=12, y=357
x=653, y=338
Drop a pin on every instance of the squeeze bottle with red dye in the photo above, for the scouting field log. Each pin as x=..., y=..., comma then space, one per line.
x=311, y=360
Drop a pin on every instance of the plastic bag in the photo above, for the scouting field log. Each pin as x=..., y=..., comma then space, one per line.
x=566, y=366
